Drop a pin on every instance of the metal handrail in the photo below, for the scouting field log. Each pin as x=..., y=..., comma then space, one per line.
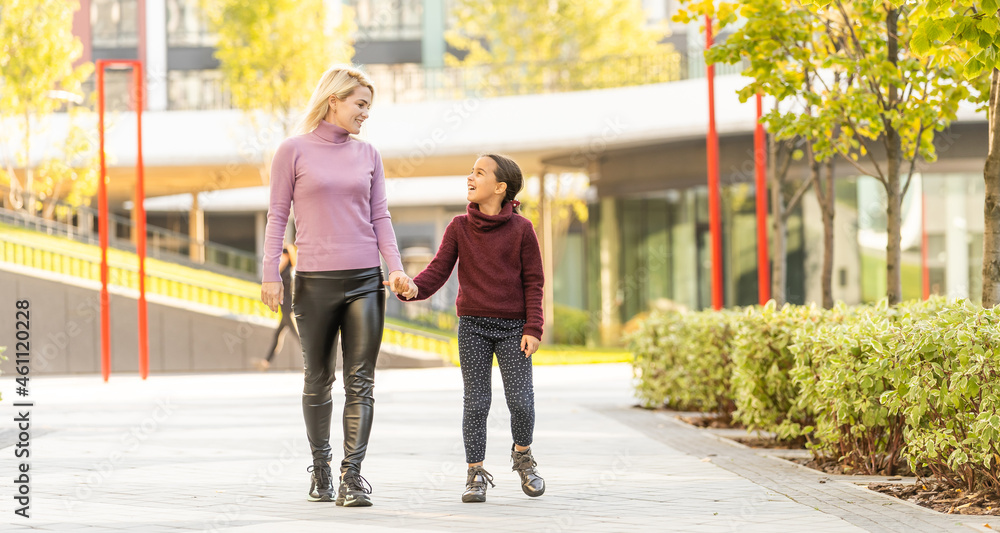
x=24, y=253
x=408, y=84
x=80, y=223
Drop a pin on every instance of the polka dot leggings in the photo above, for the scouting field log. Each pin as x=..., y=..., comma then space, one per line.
x=478, y=339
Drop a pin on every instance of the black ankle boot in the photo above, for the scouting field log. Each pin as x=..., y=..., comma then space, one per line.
x=524, y=464
x=354, y=490
x=321, y=488
x=475, y=485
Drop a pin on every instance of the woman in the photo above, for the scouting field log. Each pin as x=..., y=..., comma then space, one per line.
x=285, y=266
x=342, y=223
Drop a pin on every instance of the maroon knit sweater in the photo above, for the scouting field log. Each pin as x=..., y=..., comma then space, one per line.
x=499, y=267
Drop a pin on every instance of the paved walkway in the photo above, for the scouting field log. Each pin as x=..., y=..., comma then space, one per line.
x=227, y=453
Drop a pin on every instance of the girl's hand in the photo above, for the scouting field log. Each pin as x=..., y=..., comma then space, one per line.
x=401, y=284
x=272, y=293
x=411, y=291
x=529, y=345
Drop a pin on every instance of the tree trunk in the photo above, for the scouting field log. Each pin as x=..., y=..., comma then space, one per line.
x=49, y=206
x=894, y=204
x=991, y=208
x=779, y=228
x=894, y=221
x=827, y=203
x=29, y=200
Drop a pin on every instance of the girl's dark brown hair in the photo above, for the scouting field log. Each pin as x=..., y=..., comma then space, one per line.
x=508, y=172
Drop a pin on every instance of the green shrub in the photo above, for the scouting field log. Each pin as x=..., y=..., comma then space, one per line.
x=870, y=386
x=949, y=394
x=572, y=325
x=765, y=394
x=849, y=368
x=844, y=370
x=682, y=360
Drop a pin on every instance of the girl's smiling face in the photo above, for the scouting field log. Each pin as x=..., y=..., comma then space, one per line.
x=352, y=111
x=482, y=183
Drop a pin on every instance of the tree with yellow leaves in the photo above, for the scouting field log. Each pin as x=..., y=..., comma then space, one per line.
x=530, y=47
x=36, y=67
x=272, y=52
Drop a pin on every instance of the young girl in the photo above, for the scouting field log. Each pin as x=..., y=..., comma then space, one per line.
x=500, y=311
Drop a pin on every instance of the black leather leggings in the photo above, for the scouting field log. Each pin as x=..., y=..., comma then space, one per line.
x=350, y=303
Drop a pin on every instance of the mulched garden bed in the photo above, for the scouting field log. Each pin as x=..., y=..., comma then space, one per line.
x=931, y=494
x=701, y=420
x=943, y=499
x=831, y=466
x=768, y=443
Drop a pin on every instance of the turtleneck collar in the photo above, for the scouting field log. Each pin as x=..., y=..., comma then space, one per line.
x=332, y=133
x=483, y=222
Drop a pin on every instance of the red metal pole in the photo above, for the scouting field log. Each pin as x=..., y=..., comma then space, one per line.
x=760, y=166
x=140, y=198
x=924, y=270
x=102, y=202
x=712, y=150
x=102, y=223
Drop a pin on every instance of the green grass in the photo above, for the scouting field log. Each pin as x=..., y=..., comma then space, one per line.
x=548, y=354
x=873, y=279
x=567, y=355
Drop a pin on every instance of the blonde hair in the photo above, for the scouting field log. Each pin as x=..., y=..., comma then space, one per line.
x=339, y=81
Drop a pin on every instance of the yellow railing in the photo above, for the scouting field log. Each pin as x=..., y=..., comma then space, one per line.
x=26, y=254
x=20, y=251
x=446, y=347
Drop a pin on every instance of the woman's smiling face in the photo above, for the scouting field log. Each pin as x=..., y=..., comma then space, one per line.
x=352, y=111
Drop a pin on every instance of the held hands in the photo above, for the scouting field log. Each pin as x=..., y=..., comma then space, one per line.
x=529, y=345
x=272, y=293
x=401, y=284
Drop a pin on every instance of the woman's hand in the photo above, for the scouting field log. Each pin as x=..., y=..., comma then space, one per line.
x=529, y=345
x=401, y=284
x=272, y=293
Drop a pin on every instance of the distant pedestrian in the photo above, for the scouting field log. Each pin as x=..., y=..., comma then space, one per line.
x=286, y=265
x=337, y=186
x=500, y=312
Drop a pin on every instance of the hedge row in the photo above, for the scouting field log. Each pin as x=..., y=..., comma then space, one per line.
x=870, y=386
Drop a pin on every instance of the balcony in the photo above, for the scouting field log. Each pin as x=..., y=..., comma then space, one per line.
x=410, y=83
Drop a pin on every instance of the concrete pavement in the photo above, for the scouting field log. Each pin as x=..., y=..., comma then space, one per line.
x=227, y=453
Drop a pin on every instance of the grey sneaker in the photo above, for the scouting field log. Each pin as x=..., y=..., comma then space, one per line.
x=354, y=491
x=524, y=464
x=321, y=487
x=475, y=485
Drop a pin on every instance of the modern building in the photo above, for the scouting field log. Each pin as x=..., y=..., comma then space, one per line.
x=645, y=243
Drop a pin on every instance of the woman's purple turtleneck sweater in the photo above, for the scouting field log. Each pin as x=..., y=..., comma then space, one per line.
x=337, y=187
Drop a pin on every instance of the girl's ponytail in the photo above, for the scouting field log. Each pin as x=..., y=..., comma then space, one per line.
x=508, y=172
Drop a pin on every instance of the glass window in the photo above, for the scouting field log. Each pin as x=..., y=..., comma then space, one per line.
x=197, y=90
x=388, y=20
x=187, y=24
x=114, y=23
x=118, y=90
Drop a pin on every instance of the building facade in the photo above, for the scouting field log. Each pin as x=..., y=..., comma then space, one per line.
x=645, y=243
